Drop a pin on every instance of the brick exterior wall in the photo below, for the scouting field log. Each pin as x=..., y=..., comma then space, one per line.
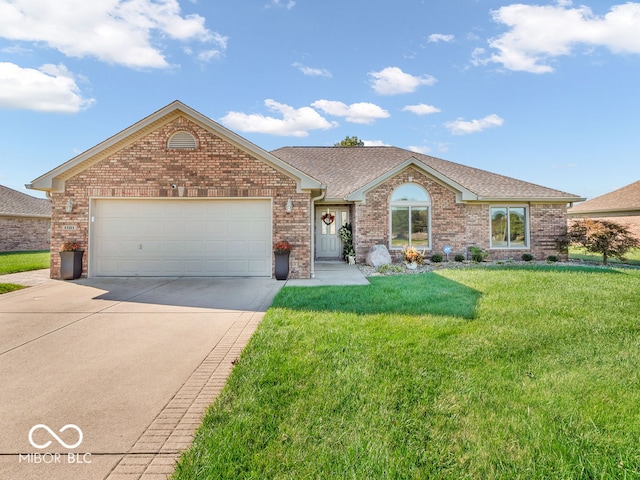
x=23, y=234
x=459, y=225
x=216, y=169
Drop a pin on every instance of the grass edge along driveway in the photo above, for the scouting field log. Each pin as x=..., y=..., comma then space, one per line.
x=538, y=376
x=14, y=262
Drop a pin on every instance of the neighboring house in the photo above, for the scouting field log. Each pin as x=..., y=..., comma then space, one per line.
x=621, y=206
x=25, y=221
x=179, y=194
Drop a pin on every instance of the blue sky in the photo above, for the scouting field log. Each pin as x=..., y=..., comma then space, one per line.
x=546, y=92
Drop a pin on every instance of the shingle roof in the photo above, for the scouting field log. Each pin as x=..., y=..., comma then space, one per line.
x=17, y=204
x=624, y=199
x=347, y=169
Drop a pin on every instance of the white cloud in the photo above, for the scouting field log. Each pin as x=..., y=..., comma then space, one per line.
x=51, y=88
x=295, y=122
x=440, y=37
x=113, y=31
x=362, y=112
x=392, y=81
x=537, y=34
x=463, y=127
x=421, y=109
x=375, y=143
x=281, y=4
x=419, y=149
x=312, y=72
x=16, y=50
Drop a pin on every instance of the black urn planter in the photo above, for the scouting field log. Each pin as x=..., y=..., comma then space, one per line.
x=282, y=265
x=71, y=264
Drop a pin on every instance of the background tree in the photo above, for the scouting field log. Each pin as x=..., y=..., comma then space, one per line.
x=350, y=142
x=606, y=238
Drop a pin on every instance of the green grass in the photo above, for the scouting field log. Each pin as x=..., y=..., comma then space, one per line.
x=13, y=262
x=9, y=287
x=529, y=373
x=577, y=253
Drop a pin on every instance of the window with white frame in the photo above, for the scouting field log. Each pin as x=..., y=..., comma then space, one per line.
x=509, y=227
x=410, y=217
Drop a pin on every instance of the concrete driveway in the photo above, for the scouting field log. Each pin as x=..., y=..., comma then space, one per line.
x=130, y=363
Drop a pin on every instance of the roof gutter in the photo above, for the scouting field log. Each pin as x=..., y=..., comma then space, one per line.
x=601, y=212
x=312, y=230
x=532, y=199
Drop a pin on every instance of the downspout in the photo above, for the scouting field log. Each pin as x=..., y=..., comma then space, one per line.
x=313, y=232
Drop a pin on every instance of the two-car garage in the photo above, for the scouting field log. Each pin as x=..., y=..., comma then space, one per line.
x=180, y=237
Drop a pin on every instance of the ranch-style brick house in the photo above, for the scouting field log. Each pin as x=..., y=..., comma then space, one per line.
x=178, y=194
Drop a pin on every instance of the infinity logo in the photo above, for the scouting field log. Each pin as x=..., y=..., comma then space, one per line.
x=52, y=433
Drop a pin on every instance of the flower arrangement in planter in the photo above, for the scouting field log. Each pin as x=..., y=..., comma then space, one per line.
x=346, y=235
x=412, y=257
x=71, y=246
x=281, y=250
x=281, y=247
x=71, y=254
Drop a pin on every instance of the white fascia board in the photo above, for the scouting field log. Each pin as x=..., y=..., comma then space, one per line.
x=462, y=194
x=604, y=212
x=543, y=200
x=334, y=201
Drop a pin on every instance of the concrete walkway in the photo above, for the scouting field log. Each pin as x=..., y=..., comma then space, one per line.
x=332, y=274
x=28, y=279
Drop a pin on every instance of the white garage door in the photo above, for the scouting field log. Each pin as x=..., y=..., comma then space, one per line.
x=180, y=237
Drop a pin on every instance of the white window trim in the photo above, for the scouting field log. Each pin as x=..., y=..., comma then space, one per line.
x=527, y=236
x=427, y=204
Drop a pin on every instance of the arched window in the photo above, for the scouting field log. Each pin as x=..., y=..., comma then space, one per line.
x=181, y=140
x=410, y=217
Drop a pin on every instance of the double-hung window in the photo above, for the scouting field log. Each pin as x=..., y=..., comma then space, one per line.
x=509, y=227
x=410, y=217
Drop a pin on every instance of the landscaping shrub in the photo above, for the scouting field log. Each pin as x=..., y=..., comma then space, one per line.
x=477, y=254
x=437, y=258
x=552, y=258
x=389, y=268
x=459, y=258
x=527, y=257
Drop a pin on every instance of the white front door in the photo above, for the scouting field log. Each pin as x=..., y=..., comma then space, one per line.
x=328, y=223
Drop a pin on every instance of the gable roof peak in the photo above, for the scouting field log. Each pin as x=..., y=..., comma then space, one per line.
x=54, y=180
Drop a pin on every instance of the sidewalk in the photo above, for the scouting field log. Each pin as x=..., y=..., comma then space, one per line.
x=28, y=279
x=331, y=274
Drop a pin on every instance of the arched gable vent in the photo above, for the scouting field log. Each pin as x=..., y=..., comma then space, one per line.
x=181, y=140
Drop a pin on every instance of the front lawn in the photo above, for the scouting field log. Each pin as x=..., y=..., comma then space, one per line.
x=471, y=373
x=14, y=262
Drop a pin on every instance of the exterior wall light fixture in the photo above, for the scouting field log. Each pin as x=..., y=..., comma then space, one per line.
x=69, y=206
x=289, y=206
